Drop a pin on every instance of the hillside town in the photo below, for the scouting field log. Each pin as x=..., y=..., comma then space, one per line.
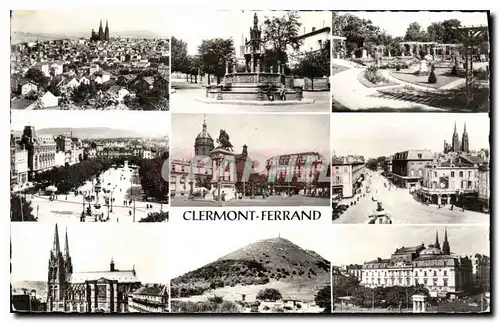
x=61, y=173
x=414, y=185
x=100, y=72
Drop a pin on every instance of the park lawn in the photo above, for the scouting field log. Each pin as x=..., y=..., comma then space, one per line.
x=338, y=69
x=407, y=75
x=363, y=80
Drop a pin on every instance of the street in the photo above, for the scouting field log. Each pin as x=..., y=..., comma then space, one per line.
x=294, y=200
x=187, y=100
x=121, y=182
x=402, y=207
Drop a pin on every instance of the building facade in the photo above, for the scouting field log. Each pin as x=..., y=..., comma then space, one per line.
x=347, y=176
x=41, y=151
x=408, y=167
x=85, y=292
x=481, y=271
x=435, y=267
x=149, y=299
x=484, y=185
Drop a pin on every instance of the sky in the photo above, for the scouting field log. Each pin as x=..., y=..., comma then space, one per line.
x=195, y=244
x=360, y=239
x=91, y=247
x=235, y=24
x=265, y=135
x=147, y=123
x=396, y=23
x=83, y=20
x=383, y=134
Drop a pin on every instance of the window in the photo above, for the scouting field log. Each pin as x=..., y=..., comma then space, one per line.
x=435, y=174
x=378, y=281
x=445, y=282
x=444, y=273
x=416, y=274
x=419, y=156
x=385, y=281
x=435, y=282
x=461, y=174
x=408, y=281
x=425, y=281
x=435, y=273
x=416, y=282
x=400, y=281
x=469, y=174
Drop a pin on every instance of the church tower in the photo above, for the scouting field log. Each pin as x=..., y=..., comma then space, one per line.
x=101, y=33
x=56, y=277
x=465, y=140
x=455, y=141
x=436, y=244
x=203, y=144
x=106, y=32
x=446, y=245
x=68, y=265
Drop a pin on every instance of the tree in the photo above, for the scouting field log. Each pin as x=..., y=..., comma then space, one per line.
x=214, y=53
x=269, y=294
x=315, y=64
x=281, y=32
x=20, y=209
x=359, y=32
x=179, y=54
x=37, y=76
x=324, y=299
x=155, y=217
x=415, y=33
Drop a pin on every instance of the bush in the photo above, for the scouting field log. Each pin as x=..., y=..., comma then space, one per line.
x=432, y=79
x=454, y=70
x=287, y=308
x=216, y=299
x=269, y=294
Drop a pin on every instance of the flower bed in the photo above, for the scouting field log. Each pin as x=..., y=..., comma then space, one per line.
x=371, y=77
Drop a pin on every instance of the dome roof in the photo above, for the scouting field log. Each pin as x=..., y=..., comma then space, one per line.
x=204, y=137
x=431, y=251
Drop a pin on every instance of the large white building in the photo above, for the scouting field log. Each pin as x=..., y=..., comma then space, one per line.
x=442, y=273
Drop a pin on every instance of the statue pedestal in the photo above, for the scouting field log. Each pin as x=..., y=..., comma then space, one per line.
x=423, y=69
x=223, y=173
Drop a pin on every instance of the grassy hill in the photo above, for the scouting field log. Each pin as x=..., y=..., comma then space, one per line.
x=275, y=261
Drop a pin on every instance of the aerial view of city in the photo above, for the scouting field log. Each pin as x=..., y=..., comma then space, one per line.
x=73, y=60
x=83, y=170
x=411, y=269
x=410, y=168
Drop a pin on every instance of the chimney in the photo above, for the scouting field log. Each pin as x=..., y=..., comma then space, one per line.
x=313, y=29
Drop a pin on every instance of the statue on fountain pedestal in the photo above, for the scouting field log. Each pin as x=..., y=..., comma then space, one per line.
x=223, y=141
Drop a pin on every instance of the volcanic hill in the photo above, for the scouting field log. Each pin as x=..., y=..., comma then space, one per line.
x=259, y=263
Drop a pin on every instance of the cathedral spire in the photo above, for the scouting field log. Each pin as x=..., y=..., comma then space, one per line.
x=255, y=20
x=55, y=246
x=446, y=245
x=455, y=128
x=436, y=244
x=66, y=245
x=465, y=127
x=204, y=122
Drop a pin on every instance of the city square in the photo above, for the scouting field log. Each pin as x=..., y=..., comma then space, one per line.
x=261, y=174
x=410, y=62
x=79, y=169
x=281, y=64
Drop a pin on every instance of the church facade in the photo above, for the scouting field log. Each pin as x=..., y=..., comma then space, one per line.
x=105, y=291
x=434, y=267
x=101, y=35
x=457, y=145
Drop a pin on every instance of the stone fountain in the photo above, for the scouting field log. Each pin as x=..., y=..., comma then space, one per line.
x=255, y=81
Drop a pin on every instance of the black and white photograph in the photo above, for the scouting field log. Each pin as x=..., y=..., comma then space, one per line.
x=84, y=59
x=418, y=61
x=65, y=271
x=251, y=61
x=251, y=268
x=89, y=167
x=411, y=269
x=411, y=168
x=250, y=160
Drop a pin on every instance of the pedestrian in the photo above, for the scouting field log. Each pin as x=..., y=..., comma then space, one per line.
x=223, y=199
x=451, y=207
